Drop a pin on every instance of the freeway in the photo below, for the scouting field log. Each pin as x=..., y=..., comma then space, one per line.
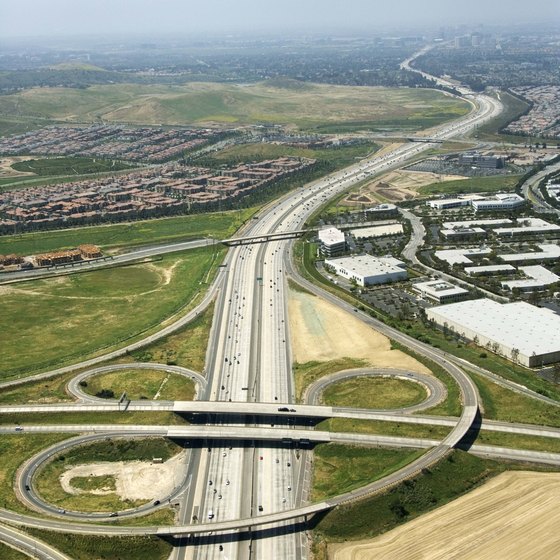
x=32, y=546
x=249, y=360
x=530, y=190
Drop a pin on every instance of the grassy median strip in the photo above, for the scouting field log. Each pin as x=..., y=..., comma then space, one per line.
x=342, y=468
x=85, y=418
x=518, y=441
x=450, y=478
x=379, y=427
x=374, y=392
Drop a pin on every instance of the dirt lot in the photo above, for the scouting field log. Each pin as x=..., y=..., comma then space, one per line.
x=134, y=480
x=322, y=332
x=397, y=186
x=514, y=515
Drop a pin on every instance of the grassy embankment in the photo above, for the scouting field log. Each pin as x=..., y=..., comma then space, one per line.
x=143, y=384
x=44, y=321
x=47, y=485
x=8, y=553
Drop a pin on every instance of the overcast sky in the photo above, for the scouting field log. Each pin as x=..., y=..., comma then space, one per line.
x=156, y=17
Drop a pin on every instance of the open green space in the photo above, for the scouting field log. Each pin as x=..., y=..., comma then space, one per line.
x=378, y=427
x=14, y=450
x=336, y=157
x=47, y=480
x=342, y=468
x=8, y=553
x=186, y=348
x=374, y=392
x=42, y=391
x=10, y=125
x=69, y=166
x=51, y=321
x=142, y=384
x=305, y=374
x=474, y=185
x=324, y=107
x=86, y=547
x=502, y=404
x=89, y=483
x=450, y=478
x=218, y=225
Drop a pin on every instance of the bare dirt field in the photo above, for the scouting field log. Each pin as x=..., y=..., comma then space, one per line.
x=134, y=480
x=397, y=186
x=513, y=516
x=322, y=332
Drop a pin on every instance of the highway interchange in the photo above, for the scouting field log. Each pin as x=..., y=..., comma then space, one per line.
x=264, y=480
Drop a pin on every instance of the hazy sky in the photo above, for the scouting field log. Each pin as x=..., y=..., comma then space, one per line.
x=79, y=17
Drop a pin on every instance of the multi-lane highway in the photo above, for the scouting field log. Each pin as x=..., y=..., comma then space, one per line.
x=249, y=361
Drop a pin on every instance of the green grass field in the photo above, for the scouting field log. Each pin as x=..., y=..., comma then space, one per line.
x=125, y=418
x=69, y=166
x=476, y=184
x=315, y=106
x=143, y=384
x=218, y=225
x=8, y=553
x=85, y=547
x=374, y=392
x=47, y=322
x=342, y=468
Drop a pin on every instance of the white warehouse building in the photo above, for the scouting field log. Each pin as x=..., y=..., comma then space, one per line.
x=513, y=330
x=366, y=270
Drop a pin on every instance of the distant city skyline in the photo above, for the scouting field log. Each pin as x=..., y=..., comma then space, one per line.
x=63, y=18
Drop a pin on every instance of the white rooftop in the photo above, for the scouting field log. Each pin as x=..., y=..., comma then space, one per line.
x=461, y=256
x=473, y=270
x=378, y=231
x=547, y=251
x=367, y=265
x=514, y=325
x=439, y=288
x=473, y=223
x=528, y=225
x=331, y=236
x=381, y=207
x=538, y=276
x=462, y=230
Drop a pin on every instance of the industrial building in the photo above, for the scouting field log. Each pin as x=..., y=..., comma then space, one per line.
x=385, y=210
x=538, y=278
x=490, y=269
x=377, y=231
x=528, y=226
x=366, y=270
x=477, y=223
x=461, y=256
x=475, y=159
x=332, y=241
x=513, y=330
x=440, y=291
x=548, y=252
x=463, y=233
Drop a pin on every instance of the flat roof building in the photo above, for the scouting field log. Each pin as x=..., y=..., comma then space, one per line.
x=499, y=202
x=463, y=233
x=440, y=291
x=528, y=226
x=377, y=231
x=548, y=251
x=461, y=256
x=477, y=223
x=513, y=330
x=490, y=269
x=366, y=270
x=538, y=278
x=333, y=242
